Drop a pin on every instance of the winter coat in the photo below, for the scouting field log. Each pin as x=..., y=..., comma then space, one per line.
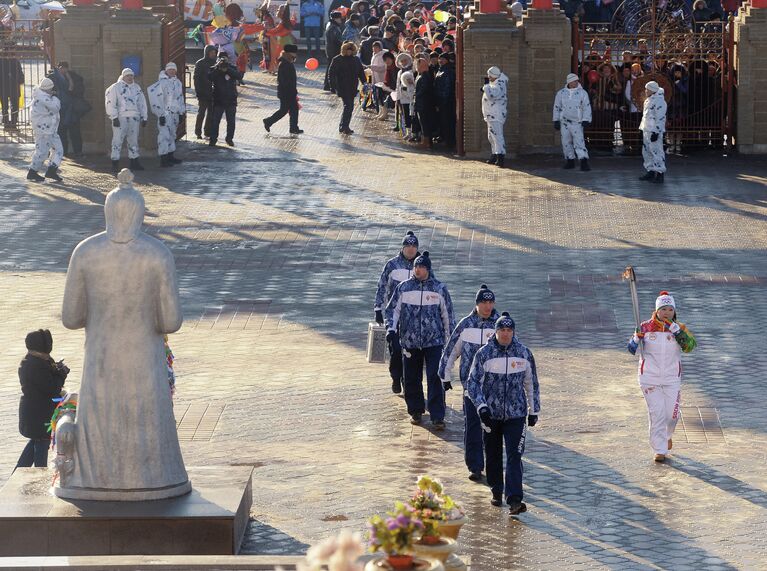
x=395, y=271
x=125, y=100
x=378, y=67
x=654, y=113
x=504, y=381
x=45, y=113
x=166, y=96
x=424, y=93
x=203, y=87
x=422, y=313
x=405, y=86
x=332, y=39
x=345, y=73
x=366, y=50
x=11, y=76
x=494, y=99
x=312, y=13
x=41, y=381
x=351, y=33
x=224, y=85
x=662, y=350
x=471, y=333
x=572, y=105
x=287, y=86
x=444, y=84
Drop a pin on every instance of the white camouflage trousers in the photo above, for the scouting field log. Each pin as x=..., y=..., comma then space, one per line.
x=495, y=136
x=47, y=147
x=166, y=135
x=663, y=403
x=573, y=143
x=128, y=129
x=653, y=154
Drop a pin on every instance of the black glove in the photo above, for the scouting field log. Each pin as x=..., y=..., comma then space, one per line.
x=379, y=317
x=557, y=125
x=162, y=121
x=115, y=122
x=586, y=124
x=654, y=137
x=143, y=123
x=391, y=336
x=532, y=419
x=487, y=80
x=484, y=416
x=447, y=386
x=63, y=369
x=182, y=118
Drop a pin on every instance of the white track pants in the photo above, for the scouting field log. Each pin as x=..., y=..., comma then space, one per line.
x=573, y=144
x=47, y=147
x=128, y=130
x=653, y=154
x=495, y=136
x=166, y=136
x=663, y=403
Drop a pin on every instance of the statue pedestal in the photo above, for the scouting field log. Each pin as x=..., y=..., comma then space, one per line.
x=211, y=520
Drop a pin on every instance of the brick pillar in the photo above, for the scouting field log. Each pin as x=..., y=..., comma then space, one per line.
x=488, y=40
x=139, y=33
x=544, y=65
x=751, y=68
x=78, y=40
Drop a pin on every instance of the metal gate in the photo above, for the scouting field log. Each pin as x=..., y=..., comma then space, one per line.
x=27, y=50
x=657, y=41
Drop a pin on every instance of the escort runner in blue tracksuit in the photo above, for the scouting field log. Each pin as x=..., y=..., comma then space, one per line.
x=420, y=313
x=503, y=385
x=396, y=271
x=471, y=333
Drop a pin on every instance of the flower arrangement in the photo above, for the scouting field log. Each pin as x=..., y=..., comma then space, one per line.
x=430, y=495
x=394, y=534
x=338, y=553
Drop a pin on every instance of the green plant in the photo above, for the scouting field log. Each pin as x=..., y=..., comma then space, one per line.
x=394, y=534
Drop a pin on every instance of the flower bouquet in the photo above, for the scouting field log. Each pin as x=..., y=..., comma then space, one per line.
x=394, y=535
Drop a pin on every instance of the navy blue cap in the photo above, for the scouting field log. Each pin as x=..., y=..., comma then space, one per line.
x=484, y=294
x=504, y=321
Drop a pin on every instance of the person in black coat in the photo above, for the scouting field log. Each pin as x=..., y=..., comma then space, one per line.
x=287, y=91
x=41, y=381
x=203, y=88
x=333, y=32
x=11, y=80
x=444, y=90
x=424, y=102
x=224, y=77
x=345, y=73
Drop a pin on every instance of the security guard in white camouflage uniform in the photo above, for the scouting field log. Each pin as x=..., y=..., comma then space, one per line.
x=126, y=108
x=166, y=98
x=45, y=124
x=653, y=126
x=494, y=102
x=572, y=112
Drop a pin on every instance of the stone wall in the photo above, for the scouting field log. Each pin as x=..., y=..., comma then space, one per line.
x=751, y=68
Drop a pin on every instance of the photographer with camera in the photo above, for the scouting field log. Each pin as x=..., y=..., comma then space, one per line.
x=45, y=125
x=41, y=381
x=224, y=77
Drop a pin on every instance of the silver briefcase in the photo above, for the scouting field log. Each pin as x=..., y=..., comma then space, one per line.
x=377, y=349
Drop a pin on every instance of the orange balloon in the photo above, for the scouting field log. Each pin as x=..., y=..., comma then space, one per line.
x=312, y=64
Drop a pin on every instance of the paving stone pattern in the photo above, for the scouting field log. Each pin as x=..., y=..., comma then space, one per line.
x=279, y=243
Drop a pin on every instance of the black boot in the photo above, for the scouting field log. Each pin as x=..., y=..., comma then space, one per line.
x=658, y=178
x=135, y=165
x=499, y=162
x=570, y=164
x=164, y=162
x=497, y=500
x=585, y=165
x=34, y=176
x=396, y=386
x=51, y=173
x=115, y=166
x=173, y=160
x=492, y=160
x=649, y=175
x=516, y=505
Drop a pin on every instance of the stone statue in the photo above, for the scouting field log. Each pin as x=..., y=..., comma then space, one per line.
x=121, y=287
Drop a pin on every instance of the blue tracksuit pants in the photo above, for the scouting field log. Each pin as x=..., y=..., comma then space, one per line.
x=512, y=433
x=395, y=361
x=472, y=437
x=414, y=361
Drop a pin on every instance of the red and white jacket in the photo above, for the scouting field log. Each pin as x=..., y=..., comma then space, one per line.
x=662, y=360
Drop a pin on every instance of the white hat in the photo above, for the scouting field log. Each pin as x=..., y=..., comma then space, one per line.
x=572, y=77
x=170, y=65
x=126, y=71
x=494, y=72
x=664, y=298
x=652, y=86
x=46, y=84
x=517, y=10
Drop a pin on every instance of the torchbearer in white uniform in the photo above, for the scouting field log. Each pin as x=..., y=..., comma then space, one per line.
x=660, y=370
x=572, y=112
x=653, y=126
x=166, y=98
x=494, y=100
x=45, y=124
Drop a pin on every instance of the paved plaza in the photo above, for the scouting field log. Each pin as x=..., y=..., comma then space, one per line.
x=279, y=243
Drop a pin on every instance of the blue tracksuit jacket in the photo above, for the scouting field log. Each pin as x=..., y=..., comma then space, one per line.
x=396, y=271
x=471, y=333
x=422, y=313
x=504, y=380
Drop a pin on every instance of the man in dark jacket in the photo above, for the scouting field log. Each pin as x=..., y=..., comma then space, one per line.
x=424, y=102
x=224, y=77
x=444, y=90
x=203, y=88
x=366, y=47
x=41, y=380
x=11, y=80
x=333, y=32
x=345, y=73
x=70, y=89
x=287, y=91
